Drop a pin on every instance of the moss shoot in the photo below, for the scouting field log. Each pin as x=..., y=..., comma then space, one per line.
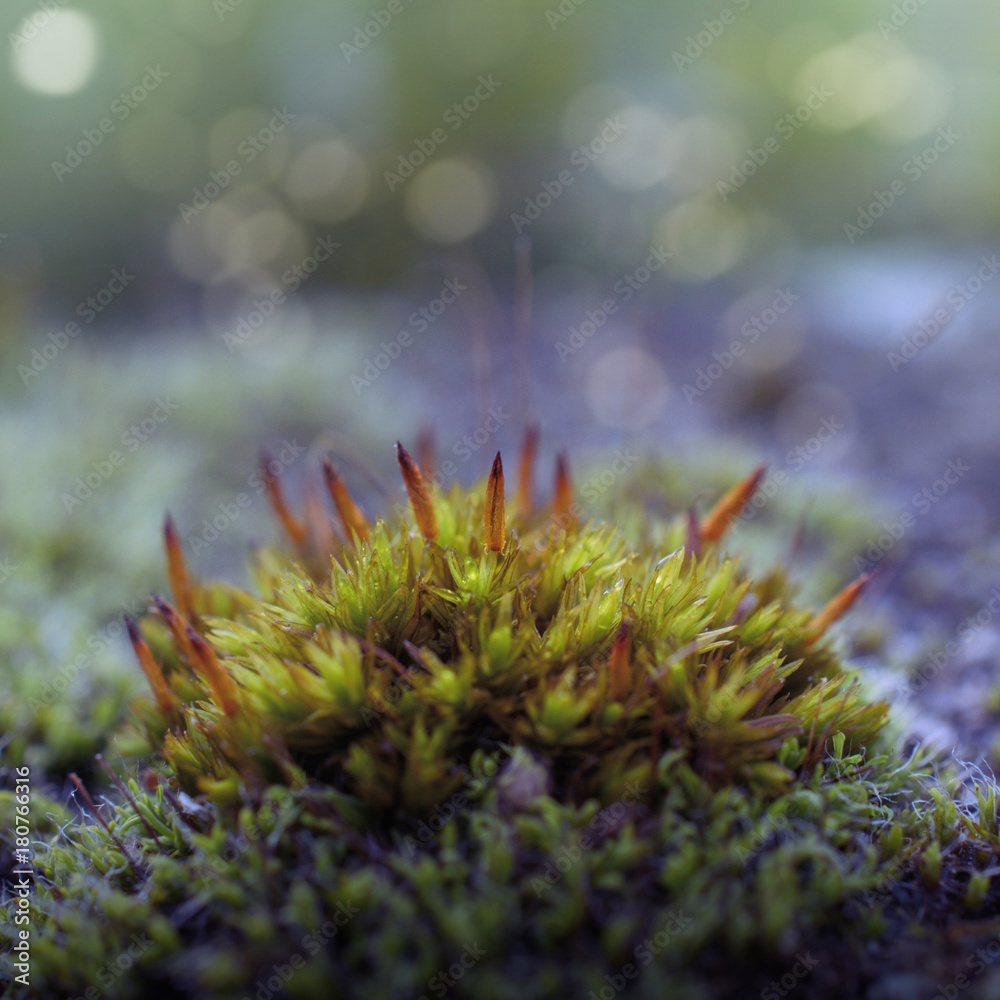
x=493, y=750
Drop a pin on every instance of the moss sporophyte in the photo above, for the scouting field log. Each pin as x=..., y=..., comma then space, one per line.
x=485, y=724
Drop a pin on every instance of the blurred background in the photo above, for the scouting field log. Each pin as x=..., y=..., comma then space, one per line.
x=692, y=236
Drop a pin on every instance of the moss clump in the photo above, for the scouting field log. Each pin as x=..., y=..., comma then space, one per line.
x=524, y=758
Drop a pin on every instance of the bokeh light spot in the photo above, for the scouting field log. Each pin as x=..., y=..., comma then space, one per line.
x=258, y=238
x=328, y=180
x=706, y=238
x=451, y=200
x=627, y=388
x=864, y=79
x=645, y=154
x=58, y=54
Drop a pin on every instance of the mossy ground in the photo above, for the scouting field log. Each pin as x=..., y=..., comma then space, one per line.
x=602, y=749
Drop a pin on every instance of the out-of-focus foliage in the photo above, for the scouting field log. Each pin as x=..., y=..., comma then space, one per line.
x=806, y=110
